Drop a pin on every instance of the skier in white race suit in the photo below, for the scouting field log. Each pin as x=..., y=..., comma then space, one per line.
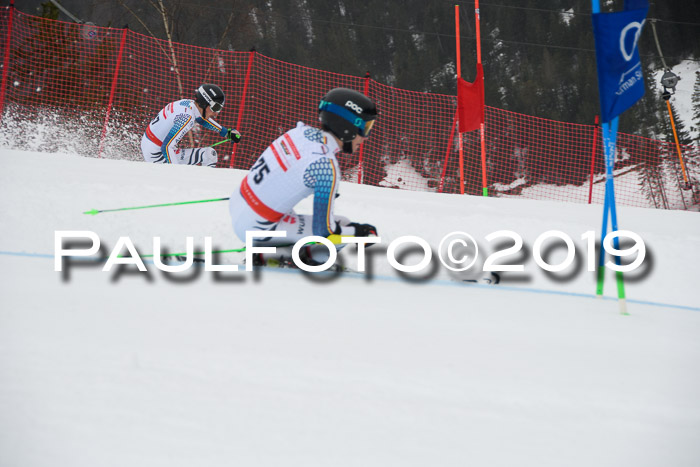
x=302, y=162
x=160, y=141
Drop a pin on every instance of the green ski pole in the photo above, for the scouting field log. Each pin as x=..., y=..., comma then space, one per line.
x=94, y=212
x=196, y=253
x=335, y=239
x=220, y=142
x=97, y=211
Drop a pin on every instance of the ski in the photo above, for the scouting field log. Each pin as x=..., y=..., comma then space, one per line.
x=492, y=279
x=284, y=262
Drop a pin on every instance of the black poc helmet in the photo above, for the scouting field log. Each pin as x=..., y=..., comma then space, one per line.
x=347, y=113
x=210, y=95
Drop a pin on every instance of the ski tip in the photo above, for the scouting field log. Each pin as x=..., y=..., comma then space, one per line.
x=492, y=279
x=92, y=212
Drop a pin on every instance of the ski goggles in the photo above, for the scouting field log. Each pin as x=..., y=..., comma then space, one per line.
x=367, y=128
x=364, y=127
x=215, y=106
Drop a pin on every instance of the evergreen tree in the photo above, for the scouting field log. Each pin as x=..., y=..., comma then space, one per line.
x=682, y=133
x=647, y=114
x=649, y=184
x=49, y=10
x=696, y=106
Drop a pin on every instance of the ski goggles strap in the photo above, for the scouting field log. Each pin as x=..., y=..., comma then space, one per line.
x=363, y=126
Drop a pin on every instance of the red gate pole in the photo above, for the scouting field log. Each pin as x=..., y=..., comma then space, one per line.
x=6, y=60
x=359, y=172
x=241, y=106
x=459, y=131
x=113, y=90
x=484, y=186
x=447, y=153
x=595, y=138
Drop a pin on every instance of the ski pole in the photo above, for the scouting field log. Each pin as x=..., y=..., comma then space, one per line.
x=97, y=211
x=220, y=142
x=236, y=250
x=335, y=239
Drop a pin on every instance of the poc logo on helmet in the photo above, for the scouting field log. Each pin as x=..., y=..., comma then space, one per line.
x=354, y=106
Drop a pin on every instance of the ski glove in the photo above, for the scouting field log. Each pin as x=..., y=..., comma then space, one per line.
x=364, y=230
x=233, y=135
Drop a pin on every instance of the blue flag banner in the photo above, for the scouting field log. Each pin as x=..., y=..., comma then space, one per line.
x=620, y=75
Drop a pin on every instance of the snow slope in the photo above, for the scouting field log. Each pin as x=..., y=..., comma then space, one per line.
x=276, y=368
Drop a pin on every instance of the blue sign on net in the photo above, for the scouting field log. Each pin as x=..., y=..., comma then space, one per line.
x=620, y=74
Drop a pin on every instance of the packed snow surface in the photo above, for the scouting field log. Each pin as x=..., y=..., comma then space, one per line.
x=279, y=368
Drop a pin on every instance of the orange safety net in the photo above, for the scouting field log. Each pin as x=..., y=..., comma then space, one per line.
x=92, y=90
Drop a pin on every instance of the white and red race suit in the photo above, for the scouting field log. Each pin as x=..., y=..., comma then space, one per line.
x=299, y=163
x=160, y=141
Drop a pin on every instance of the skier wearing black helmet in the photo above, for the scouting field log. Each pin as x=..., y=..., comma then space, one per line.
x=302, y=162
x=160, y=141
x=347, y=113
